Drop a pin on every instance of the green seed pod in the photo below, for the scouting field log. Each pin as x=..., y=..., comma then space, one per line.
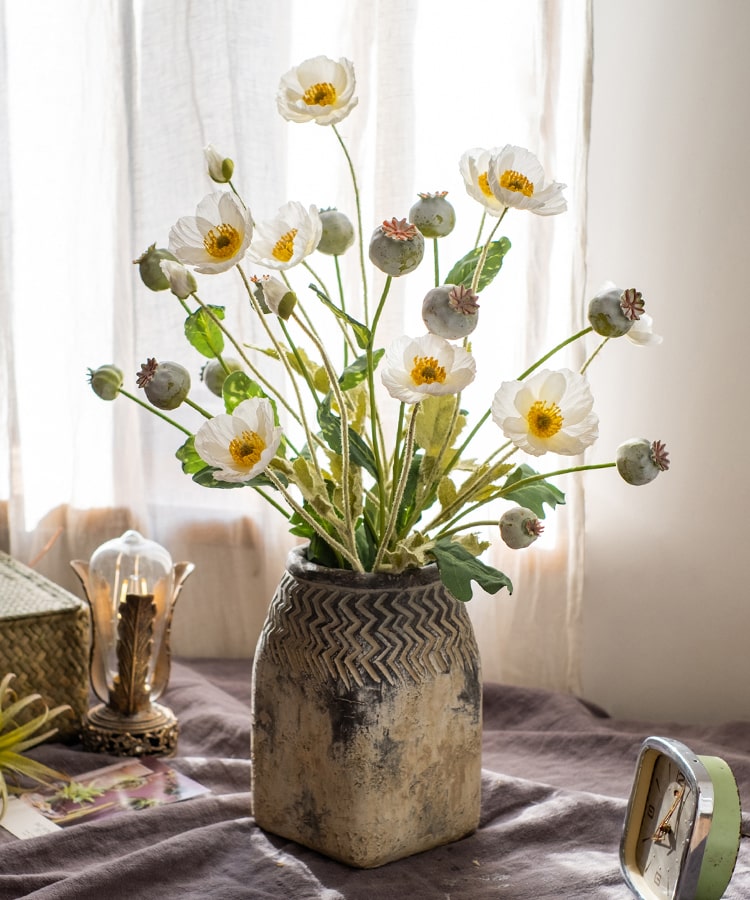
x=607, y=316
x=639, y=461
x=168, y=386
x=106, y=381
x=150, y=270
x=520, y=527
x=433, y=215
x=450, y=311
x=213, y=374
x=396, y=247
x=338, y=232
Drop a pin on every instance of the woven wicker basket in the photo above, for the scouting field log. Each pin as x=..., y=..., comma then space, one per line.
x=44, y=639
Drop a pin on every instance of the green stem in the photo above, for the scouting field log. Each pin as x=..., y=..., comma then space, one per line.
x=269, y=388
x=342, y=304
x=359, y=223
x=467, y=526
x=481, y=228
x=594, y=355
x=436, y=262
x=197, y=408
x=378, y=443
x=399, y=495
x=336, y=545
x=485, y=251
x=154, y=410
x=344, y=418
x=287, y=366
x=573, y=337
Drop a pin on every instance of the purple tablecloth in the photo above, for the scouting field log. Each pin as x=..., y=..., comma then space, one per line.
x=557, y=774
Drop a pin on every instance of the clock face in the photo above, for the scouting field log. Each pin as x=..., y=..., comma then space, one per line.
x=666, y=827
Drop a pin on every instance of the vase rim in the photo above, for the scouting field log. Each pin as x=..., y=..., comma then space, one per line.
x=303, y=569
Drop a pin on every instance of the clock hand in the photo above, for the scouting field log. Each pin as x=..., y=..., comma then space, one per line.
x=663, y=828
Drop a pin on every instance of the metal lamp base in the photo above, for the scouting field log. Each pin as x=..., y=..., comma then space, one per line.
x=150, y=733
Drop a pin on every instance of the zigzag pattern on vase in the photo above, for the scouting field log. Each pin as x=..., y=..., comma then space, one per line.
x=357, y=636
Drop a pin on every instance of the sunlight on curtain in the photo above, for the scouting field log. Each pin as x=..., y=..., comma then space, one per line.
x=103, y=166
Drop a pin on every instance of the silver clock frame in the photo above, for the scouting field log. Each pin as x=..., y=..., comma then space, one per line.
x=700, y=782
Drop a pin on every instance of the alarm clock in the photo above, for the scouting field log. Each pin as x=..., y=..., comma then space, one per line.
x=682, y=827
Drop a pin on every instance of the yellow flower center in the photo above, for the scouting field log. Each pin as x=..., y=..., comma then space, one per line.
x=284, y=247
x=484, y=184
x=246, y=449
x=427, y=370
x=322, y=94
x=544, y=419
x=222, y=242
x=515, y=181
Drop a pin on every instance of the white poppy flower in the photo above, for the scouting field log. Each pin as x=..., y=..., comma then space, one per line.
x=516, y=178
x=319, y=90
x=240, y=445
x=474, y=165
x=288, y=239
x=414, y=368
x=641, y=332
x=549, y=412
x=216, y=237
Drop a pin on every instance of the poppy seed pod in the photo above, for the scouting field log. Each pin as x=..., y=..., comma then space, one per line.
x=149, y=268
x=520, y=527
x=214, y=374
x=639, y=461
x=338, y=232
x=451, y=311
x=166, y=384
x=433, y=215
x=106, y=381
x=396, y=247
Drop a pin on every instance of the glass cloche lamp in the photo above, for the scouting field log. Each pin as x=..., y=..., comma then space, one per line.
x=131, y=586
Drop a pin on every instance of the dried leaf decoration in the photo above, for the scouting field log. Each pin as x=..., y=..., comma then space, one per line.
x=135, y=635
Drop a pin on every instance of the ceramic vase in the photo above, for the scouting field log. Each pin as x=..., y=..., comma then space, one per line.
x=367, y=724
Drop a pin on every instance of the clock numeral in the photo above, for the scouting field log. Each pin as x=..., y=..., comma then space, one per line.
x=650, y=811
x=657, y=877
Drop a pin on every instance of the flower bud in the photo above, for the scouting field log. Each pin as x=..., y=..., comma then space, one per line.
x=214, y=374
x=640, y=461
x=613, y=312
x=166, y=384
x=396, y=247
x=338, y=232
x=450, y=311
x=149, y=266
x=181, y=280
x=520, y=527
x=274, y=296
x=433, y=215
x=220, y=168
x=106, y=381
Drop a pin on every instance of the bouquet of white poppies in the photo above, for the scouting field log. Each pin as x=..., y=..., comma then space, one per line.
x=312, y=443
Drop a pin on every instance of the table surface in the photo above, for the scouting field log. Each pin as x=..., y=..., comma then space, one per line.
x=556, y=776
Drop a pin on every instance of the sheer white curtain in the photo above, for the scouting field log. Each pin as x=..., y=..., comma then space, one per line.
x=105, y=135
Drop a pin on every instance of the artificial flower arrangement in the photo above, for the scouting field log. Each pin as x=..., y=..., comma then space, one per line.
x=362, y=502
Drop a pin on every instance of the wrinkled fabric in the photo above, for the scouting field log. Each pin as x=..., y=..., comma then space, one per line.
x=557, y=774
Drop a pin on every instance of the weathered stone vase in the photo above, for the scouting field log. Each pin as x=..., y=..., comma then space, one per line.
x=366, y=735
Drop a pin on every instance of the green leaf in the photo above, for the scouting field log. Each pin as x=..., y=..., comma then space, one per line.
x=356, y=372
x=434, y=417
x=458, y=568
x=187, y=455
x=205, y=478
x=533, y=496
x=238, y=387
x=366, y=546
x=361, y=332
x=408, y=500
x=330, y=426
x=203, y=332
x=463, y=271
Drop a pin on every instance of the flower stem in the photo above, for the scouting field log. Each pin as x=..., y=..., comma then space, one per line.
x=154, y=410
x=359, y=223
x=485, y=251
x=594, y=355
x=399, y=495
x=344, y=418
x=197, y=408
x=336, y=545
x=573, y=337
x=436, y=261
